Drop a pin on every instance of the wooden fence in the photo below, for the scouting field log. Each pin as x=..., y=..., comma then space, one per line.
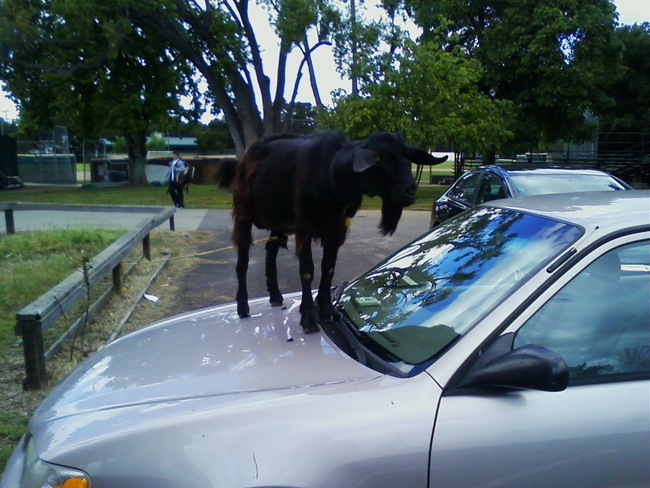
x=40, y=315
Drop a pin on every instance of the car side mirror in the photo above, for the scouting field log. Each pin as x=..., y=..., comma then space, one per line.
x=528, y=367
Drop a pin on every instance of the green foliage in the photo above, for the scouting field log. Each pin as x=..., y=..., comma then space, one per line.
x=631, y=93
x=552, y=60
x=294, y=17
x=119, y=145
x=432, y=98
x=156, y=142
x=214, y=139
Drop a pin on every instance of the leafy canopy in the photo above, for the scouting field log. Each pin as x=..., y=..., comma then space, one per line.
x=432, y=97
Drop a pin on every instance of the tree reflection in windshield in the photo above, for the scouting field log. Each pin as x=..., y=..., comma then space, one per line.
x=424, y=296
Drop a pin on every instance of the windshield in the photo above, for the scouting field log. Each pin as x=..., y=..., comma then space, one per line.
x=541, y=184
x=419, y=300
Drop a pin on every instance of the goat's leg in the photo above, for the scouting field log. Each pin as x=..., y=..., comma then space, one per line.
x=308, y=317
x=242, y=238
x=275, y=242
x=326, y=310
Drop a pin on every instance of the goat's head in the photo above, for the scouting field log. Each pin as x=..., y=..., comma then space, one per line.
x=384, y=162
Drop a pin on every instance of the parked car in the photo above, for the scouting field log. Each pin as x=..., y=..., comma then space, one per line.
x=508, y=347
x=487, y=183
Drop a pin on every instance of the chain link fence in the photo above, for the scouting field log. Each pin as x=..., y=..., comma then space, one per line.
x=623, y=154
x=47, y=159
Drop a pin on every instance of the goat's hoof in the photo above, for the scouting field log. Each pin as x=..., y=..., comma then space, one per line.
x=309, y=325
x=308, y=329
x=327, y=314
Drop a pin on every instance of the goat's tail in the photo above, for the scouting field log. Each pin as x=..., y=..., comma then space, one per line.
x=226, y=173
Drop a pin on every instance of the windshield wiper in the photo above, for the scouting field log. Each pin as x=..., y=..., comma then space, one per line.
x=345, y=327
x=364, y=355
x=338, y=291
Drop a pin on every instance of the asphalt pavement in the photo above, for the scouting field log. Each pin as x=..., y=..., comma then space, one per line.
x=211, y=279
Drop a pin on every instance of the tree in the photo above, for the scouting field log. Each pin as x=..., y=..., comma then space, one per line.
x=220, y=41
x=216, y=37
x=432, y=97
x=552, y=60
x=215, y=138
x=631, y=93
x=86, y=68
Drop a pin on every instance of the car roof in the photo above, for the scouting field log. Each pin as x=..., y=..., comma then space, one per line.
x=511, y=170
x=609, y=210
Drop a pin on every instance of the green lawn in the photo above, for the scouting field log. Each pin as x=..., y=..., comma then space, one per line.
x=33, y=262
x=199, y=196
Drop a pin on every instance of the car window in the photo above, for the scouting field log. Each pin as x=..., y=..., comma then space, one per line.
x=491, y=189
x=464, y=188
x=600, y=321
x=542, y=184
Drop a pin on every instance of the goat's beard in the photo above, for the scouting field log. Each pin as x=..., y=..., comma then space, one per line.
x=390, y=215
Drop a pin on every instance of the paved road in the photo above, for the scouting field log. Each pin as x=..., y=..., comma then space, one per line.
x=212, y=279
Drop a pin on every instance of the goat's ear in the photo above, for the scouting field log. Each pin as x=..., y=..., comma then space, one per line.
x=420, y=156
x=362, y=159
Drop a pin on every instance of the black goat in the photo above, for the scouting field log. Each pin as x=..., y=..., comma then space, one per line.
x=312, y=187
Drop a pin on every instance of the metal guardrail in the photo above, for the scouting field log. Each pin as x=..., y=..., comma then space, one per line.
x=40, y=315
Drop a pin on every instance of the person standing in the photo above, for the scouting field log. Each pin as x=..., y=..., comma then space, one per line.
x=174, y=176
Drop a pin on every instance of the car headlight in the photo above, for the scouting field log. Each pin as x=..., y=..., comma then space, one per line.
x=39, y=474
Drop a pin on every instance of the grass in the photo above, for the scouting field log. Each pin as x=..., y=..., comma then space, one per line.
x=31, y=263
x=199, y=196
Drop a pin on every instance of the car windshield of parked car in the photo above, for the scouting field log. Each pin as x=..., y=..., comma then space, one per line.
x=418, y=301
x=542, y=184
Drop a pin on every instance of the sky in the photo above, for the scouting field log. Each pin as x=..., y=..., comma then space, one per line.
x=630, y=12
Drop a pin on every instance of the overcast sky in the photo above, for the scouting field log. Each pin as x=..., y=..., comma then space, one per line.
x=630, y=12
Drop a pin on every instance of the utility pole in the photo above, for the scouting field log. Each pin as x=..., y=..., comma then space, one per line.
x=353, y=19
x=4, y=121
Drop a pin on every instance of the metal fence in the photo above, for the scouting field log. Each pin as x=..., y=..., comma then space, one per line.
x=43, y=313
x=623, y=154
x=47, y=159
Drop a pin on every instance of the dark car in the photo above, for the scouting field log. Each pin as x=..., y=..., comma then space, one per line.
x=488, y=183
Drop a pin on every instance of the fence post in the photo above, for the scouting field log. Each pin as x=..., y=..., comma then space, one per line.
x=117, y=278
x=172, y=225
x=9, y=220
x=32, y=334
x=146, y=247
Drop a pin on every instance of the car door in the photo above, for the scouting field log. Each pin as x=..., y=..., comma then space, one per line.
x=593, y=434
x=457, y=199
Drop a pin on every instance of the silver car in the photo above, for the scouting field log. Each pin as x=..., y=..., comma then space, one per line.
x=508, y=347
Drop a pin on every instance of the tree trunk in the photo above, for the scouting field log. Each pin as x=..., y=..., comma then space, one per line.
x=137, y=151
x=490, y=157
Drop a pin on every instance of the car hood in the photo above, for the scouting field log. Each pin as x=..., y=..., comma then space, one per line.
x=206, y=354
